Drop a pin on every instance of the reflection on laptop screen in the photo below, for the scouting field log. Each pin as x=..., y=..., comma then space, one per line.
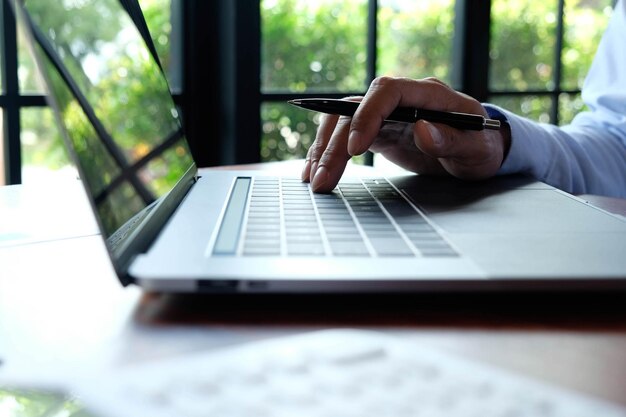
x=114, y=103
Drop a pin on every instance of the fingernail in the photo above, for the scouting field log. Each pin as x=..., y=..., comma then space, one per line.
x=313, y=170
x=306, y=170
x=354, y=144
x=320, y=178
x=435, y=134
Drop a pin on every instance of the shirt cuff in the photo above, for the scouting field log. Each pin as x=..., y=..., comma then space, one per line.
x=514, y=161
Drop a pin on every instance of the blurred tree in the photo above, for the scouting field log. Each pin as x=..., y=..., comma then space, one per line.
x=41, y=141
x=415, y=38
x=313, y=45
x=523, y=53
x=320, y=46
x=35, y=403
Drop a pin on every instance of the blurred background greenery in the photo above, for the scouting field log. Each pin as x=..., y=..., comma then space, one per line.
x=320, y=46
x=38, y=403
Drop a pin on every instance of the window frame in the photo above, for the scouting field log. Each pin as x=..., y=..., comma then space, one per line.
x=470, y=52
x=12, y=101
x=221, y=64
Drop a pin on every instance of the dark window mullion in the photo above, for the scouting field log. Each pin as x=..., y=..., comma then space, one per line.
x=247, y=68
x=11, y=108
x=24, y=101
x=372, y=55
x=372, y=40
x=470, y=50
x=558, y=63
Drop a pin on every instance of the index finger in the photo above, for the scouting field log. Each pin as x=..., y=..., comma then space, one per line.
x=386, y=93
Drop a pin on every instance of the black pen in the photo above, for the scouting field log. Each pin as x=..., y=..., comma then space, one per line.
x=457, y=120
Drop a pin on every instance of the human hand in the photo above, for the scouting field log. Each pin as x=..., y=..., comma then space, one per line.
x=423, y=147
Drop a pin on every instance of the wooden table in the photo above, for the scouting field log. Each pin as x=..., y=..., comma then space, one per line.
x=61, y=304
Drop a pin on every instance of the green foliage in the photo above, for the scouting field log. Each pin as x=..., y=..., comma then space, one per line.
x=522, y=46
x=316, y=45
x=415, y=41
x=321, y=46
x=585, y=22
x=35, y=403
x=158, y=17
x=42, y=145
x=523, y=52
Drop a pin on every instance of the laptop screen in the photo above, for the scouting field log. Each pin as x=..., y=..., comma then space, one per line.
x=114, y=103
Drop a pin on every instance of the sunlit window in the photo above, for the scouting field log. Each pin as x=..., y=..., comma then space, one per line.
x=539, y=55
x=42, y=155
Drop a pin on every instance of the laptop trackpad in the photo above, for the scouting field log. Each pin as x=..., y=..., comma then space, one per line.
x=524, y=210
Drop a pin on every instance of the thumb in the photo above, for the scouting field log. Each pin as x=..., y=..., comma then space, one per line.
x=433, y=140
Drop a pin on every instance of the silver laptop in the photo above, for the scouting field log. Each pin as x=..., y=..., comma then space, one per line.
x=168, y=229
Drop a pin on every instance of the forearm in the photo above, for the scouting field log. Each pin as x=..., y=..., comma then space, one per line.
x=578, y=158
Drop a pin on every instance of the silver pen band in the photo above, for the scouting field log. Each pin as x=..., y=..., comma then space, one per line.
x=492, y=124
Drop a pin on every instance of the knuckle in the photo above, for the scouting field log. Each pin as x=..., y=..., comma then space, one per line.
x=381, y=82
x=333, y=152
x=344, y=121
x=434, y=80
x=316, y=150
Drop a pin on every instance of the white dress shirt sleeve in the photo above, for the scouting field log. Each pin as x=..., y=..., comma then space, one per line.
x=588, y=155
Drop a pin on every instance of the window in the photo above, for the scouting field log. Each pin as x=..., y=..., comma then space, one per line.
x=540, y=53
x=333, y=48
x=536, y=55
x=242, y=59
x=22, y=103
x=32, y=149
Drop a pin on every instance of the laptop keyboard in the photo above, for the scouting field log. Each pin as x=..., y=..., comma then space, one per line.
x=367, y=217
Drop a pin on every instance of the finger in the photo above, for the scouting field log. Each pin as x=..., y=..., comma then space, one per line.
x=323, y=135
x=334, y=159
x=385, y=94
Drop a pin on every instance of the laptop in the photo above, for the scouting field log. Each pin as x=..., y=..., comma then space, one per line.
x=169, y=229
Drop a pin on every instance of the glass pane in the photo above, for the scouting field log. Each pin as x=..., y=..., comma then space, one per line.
x=313, y=45
x=585, y=22
x=287, y=131
x=44, y=157
x=569, y=106
x=533, y=107
x=28, y=78
x=523, y=35
x=158, y=17
x=415, y=38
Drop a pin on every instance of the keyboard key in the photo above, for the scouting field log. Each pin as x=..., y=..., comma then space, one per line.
x=390, y=247
x=305, y=249
x=261, y=250
x=349, y=248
